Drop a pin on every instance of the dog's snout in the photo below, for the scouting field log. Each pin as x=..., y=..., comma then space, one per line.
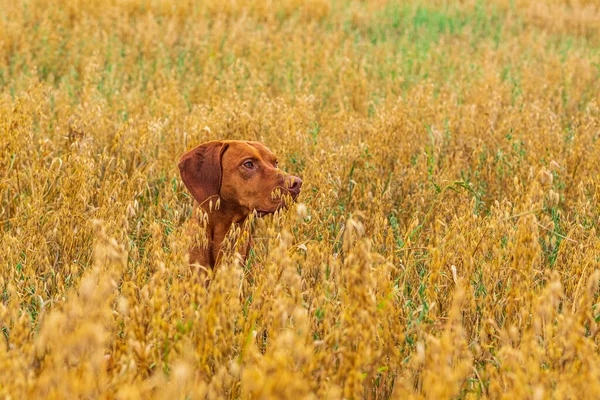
x=294, y=183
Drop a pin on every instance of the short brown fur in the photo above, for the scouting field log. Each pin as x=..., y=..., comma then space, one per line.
x=229, y=180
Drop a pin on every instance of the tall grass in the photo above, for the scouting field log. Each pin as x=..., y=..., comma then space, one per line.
x=445, y=243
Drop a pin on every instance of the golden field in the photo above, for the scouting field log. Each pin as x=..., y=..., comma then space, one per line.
x=445, y=243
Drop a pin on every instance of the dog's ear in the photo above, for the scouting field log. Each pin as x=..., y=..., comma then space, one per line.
x=202, y=172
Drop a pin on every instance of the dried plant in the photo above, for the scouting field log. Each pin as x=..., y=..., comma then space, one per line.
x=445, y=244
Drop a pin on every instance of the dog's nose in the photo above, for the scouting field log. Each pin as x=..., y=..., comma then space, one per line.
x=293, y=183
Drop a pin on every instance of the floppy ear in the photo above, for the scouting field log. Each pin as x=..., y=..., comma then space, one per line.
x=202, y=172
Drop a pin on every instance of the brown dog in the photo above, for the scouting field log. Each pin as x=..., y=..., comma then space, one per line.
x=229, y=180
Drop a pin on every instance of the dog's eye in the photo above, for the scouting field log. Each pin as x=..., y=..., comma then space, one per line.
x=277, y=164
x=249, y=164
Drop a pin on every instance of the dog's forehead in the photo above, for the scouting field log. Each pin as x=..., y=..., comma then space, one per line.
x=264, y=151
x=241, y=149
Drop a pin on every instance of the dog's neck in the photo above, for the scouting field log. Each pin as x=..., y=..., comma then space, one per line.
x=208, y=252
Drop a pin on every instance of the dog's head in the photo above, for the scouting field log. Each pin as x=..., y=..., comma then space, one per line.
x=244, y=175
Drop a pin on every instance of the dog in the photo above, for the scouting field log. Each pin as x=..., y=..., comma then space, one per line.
x=229, y=180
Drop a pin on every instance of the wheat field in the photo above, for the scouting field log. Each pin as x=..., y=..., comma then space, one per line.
x=444, y=244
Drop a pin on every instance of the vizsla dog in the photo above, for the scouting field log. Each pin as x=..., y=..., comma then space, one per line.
x=229, y=180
